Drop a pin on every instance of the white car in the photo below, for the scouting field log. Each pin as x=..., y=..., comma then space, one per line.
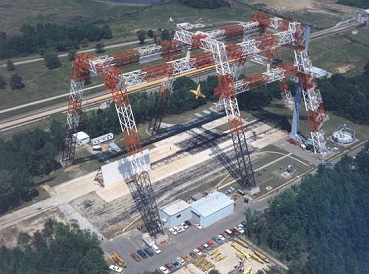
x=164, y=269
x=198, y=226
x=180, y=261
x=184, y=225
x=156, y=249
x=197, y=252
x=116, y=268
x=179, y=230
x=220, y=236
x=240, y=229
x=173, y=231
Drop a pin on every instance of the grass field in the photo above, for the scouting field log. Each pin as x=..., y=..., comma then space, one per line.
x=16, y=13
x=271, y=177
x=337, y=51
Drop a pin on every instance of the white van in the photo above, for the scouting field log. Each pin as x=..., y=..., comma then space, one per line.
x=96, y=148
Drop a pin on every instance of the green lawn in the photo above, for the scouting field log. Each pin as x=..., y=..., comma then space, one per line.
x=335, y=51
x=17, y=13
x=270, y=176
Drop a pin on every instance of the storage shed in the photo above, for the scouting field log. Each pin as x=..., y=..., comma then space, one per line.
x=212, y=208
x=175, y=213
x=81, y=138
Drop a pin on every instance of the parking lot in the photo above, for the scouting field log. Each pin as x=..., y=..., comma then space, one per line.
x=177, y=245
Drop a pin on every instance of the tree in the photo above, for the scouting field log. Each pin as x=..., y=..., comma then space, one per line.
x=141, y=35
x=106, y=32
x=16, y=82
x=9, y=65
x=71, y=54
x=150, y=33
x=52, y=60
x=2, y=82
x=7, y=191
x=99, y=47
x=165, y=35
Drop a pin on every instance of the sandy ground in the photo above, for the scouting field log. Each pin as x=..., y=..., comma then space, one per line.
x=8, y=235
x=326, y=6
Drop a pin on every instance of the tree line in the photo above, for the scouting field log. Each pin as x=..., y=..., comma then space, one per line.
x=58, y=248
x=322, y=225
x=23, y=157
x=355, y=3
x=50, y=37
x=347, y=97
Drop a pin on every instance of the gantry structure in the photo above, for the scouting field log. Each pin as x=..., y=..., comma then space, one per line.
x=261, y=38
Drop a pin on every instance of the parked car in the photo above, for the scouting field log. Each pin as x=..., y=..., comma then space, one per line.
x=217, y=240
x=181, y=261
x=235, y=231
x=184, y=225
x=220, y=236
x=193, y=254
x=201, y=248
x=206, y=246
x=135, y=257
x=149, y=251
x=116, y=268
x=226, y=235
x=188, y=223
x=240, y=228
x=156, y=249
x=197, y=252
x=210, y=243
x=142, y=253
x=176, y=264
x=186, y=257
x=164, y=270
x=244, y=224
x=198, y=226
x=170, y=267
x=181, y=228
x=173, y=231
x=176, y=228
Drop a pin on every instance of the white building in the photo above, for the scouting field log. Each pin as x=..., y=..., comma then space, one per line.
x=184, y=25
x=212, y=208
x=82, y=138
x=175, y=213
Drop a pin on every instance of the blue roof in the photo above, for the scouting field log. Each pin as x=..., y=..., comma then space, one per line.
x=211, y=203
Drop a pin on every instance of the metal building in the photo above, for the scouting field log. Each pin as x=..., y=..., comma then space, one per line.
x=175, y=213
x=212, y=208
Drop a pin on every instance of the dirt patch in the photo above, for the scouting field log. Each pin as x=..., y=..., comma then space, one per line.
x=343, y=69
x=73, y=168
x=106, y=217
x=9, y=235
x=328, y=6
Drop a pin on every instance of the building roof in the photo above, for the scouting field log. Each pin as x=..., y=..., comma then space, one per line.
x=211, y=203
x=175, y=207
x=81, y=135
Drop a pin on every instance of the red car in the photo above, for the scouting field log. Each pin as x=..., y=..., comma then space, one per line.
x=235, y=231
x=210, y=242
x=135, y=257
x=201, y=248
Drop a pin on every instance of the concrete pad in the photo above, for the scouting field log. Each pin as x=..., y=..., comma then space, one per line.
x=113, y=192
